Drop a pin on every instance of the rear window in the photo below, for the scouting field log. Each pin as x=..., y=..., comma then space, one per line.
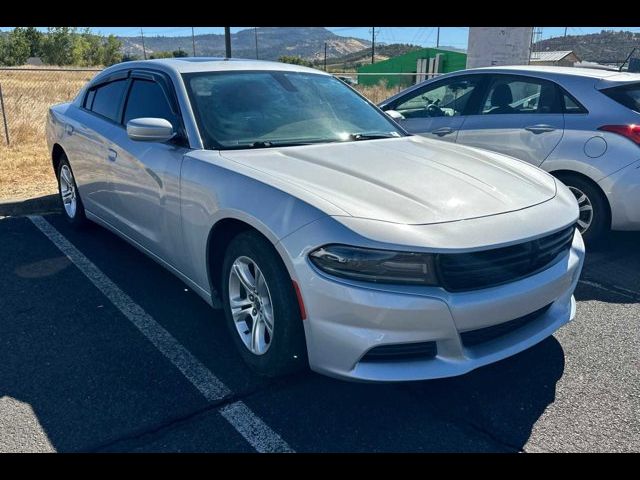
x=107, y=98
x=627, y=95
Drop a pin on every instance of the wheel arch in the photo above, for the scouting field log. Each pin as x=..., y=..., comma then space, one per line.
x=223, y=230
x=56, y=154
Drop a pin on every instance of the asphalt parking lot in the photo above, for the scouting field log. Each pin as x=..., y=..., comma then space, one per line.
x=103, y=350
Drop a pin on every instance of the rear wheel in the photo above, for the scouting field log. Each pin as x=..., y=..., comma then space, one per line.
x=261, y=308
x=70, y=197
x=593, y=219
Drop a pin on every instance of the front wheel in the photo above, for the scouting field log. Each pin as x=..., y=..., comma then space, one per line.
x=261, y=308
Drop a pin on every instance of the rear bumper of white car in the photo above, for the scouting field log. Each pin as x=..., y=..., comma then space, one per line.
x=345, y=322
x=623, y=192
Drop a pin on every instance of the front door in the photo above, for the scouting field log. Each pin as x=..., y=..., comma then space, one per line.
x=519, y=116
x=438, y=109
x=146, y=175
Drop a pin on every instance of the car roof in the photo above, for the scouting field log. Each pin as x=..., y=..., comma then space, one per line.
x=213, y=64
x=574, y=71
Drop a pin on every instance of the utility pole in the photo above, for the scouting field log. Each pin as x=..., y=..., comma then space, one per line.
x=193, y=40
x=227, y=42
x=325, y=56
x=373, y=45
x=565, y=31
x=438, y=38
x=144, y=50
x=255, y=31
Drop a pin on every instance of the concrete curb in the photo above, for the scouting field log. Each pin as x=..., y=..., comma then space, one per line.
x=29, y=206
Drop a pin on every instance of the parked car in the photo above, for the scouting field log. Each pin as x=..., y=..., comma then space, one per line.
x=581, y=125
x=326, y=233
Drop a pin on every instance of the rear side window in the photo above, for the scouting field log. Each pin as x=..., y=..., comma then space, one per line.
x=627, y=95
x=106, y=99
x=147, y=99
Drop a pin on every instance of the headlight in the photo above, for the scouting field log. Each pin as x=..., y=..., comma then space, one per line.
x=369, y=265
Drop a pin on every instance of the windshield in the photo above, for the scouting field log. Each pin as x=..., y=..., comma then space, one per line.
x=274, y=108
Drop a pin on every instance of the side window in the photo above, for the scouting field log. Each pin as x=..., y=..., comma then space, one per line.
x=444, y=100
x=147, y=99
x=107, y=99
x=571, y=105
x=509, y=95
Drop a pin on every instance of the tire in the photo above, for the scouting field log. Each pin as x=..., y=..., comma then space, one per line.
x=67, y=187
x=284, y=347
x=600, y=221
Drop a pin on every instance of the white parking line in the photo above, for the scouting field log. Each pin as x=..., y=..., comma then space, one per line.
x=618, y=290
x=254, y=430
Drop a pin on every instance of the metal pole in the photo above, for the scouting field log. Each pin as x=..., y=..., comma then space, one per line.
x=325, y=56
x=4, y=116
x=565, y=31
x=255, y=31
x=438, y=38
x=144, y=50
x=227, y=42
x=193, y=40
x=373, y=44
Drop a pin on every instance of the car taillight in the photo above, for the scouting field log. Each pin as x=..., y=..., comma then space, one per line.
x=632, y=132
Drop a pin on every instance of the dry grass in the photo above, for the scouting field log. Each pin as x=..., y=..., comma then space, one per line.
x=379, y=92
x=25, y=166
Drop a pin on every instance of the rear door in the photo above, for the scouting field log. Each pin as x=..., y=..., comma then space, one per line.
x=518, y=115
x=95, y=123
x=438, y=109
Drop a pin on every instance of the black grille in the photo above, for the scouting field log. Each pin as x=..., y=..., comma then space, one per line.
x=482, y=335
x=487, y=268
x=401, y=351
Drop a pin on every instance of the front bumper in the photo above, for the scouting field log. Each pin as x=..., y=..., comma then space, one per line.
x=346, y=320
x=623, y=192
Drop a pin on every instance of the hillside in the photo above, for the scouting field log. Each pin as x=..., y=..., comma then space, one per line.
x=273, y=42
x=383, y=52
x=604, y=47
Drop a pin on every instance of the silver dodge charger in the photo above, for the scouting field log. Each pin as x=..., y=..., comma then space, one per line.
x=329, y=235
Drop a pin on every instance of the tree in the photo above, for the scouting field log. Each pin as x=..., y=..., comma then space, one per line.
x=179, y=53
x=34, y=37
x=111, y=51
x=295, y=60
x=161, y=54
x=14, y=48
x=58, y=46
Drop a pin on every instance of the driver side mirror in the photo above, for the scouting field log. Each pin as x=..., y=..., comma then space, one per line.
x=395, y=114
x=150, y=130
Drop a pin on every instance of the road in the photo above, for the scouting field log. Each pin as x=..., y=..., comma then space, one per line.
x=103, y=350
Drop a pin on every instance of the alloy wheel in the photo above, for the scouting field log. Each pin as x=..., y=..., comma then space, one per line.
x=251, y=305
x=585, y=218
x=68, y=191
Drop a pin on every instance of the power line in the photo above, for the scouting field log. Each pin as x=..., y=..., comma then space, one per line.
x=144, y=50
x=193, y=40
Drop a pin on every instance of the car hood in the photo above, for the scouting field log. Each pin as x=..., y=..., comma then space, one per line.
x=408, y=180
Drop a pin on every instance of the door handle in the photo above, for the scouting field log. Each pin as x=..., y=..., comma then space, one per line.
x=441, y=132
x=69, y=129
x=539, y=128
x=113, y=155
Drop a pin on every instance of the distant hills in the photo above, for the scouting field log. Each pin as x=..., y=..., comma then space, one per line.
x=273, y=42
x=607, y=47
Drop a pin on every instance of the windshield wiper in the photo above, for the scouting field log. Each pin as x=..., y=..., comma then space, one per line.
x=372, y=135
x=276, y=143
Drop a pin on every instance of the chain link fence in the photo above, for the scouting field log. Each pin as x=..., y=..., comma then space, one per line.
x=27, y=93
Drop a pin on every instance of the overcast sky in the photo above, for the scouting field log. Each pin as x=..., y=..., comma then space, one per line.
x=424, y=36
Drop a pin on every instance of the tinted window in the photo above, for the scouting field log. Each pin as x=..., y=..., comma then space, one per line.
x=88, y=101
x=443, y=100
x=107, y=99
x=628, y=95
x=508, y=95
x=147, y=99
x=571, y=105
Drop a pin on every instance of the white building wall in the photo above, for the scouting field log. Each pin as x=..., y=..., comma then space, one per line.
x=498, y=46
